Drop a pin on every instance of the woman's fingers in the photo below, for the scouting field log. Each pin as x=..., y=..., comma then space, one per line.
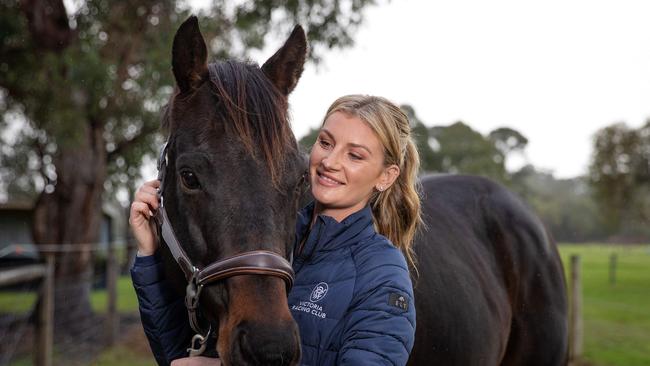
x=142, y=207
x=140, y=212
x=142, y=227
x=152, y=183
x=148, y=195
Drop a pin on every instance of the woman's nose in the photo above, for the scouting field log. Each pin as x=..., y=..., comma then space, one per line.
x=331, y=161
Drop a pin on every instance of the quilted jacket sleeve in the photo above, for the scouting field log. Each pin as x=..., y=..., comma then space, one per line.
x=380, y=327
x=162, y=311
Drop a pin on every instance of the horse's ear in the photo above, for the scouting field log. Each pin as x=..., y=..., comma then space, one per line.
x=285, y=66
x=189, y=56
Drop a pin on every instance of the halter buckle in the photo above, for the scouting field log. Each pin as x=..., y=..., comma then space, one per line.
x=193, y=291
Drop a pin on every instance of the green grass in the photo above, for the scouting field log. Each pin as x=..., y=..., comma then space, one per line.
x=21, y=302
x=127, y=301
x=616, y=316
x=123, y=356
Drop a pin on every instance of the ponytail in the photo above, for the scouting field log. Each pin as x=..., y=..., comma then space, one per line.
x=397, y=210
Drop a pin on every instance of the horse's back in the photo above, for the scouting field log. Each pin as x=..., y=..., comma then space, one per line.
x=490, y=288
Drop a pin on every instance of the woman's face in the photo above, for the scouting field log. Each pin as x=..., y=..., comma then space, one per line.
x=345, y=166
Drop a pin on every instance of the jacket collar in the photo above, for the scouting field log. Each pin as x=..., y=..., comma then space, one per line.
x=328, y=234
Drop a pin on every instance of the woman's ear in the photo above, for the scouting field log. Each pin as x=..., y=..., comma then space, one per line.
x=388, y=177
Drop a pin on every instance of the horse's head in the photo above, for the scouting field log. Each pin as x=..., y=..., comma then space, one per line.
x=233, y=178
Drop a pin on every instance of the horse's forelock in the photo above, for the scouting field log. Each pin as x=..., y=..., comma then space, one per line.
x=255, y=111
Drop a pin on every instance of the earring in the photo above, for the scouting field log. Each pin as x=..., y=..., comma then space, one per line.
x=380, y=188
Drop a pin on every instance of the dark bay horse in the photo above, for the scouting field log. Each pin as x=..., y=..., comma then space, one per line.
x=231, y=176
x=490, y=289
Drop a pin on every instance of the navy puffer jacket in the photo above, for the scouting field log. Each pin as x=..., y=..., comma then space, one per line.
x=352, y=298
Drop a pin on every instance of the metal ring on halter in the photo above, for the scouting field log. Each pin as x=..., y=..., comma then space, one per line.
x=203, y=340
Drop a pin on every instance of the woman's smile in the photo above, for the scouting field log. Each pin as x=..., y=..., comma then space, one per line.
x=328, y=181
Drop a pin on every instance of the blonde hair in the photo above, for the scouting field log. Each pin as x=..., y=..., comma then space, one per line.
x=396, y=210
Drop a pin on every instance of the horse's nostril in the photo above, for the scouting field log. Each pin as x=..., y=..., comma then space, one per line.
x=265, y=345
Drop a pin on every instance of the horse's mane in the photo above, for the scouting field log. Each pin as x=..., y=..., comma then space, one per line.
x=256, y=112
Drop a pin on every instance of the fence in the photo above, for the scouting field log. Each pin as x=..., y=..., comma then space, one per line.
x=608, y=268
x=27, y=307
x=575, y=311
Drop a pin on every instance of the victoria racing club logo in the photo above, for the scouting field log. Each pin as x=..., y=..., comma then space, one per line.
x=319, y=292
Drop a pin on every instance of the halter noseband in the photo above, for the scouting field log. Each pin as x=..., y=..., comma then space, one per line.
x=255, y=262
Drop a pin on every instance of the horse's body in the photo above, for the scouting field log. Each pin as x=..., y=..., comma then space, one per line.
x=490, y=288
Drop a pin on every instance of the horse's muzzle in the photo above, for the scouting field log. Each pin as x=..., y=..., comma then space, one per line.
x=258, y=344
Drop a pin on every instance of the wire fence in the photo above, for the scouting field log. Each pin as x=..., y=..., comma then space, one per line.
x=51, y=318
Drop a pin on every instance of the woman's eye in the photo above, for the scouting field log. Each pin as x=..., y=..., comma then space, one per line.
x=190, y=180
x=324, y=143
x=355, y=157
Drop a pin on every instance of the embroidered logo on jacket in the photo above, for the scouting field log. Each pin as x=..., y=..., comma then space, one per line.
x=319, y=292
x=398, y=301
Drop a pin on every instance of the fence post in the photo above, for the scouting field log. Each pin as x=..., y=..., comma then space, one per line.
x=575, y=315
x=45, y=322
x=112, y=317
x=613, y=259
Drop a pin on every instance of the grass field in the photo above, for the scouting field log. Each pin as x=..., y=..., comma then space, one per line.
x=616, y=317
x=19, y=302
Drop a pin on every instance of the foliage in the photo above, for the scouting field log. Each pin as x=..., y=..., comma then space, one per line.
x=616, y=317
x=566, y=206
x=464, y=150
x=620, y=176
x=430, y=161
x=307, y=141
x=508, y=140
x=457, y=148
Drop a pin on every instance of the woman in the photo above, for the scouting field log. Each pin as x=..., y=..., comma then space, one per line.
x=353, y=297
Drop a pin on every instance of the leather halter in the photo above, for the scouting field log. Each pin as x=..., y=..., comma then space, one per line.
x=255, y=262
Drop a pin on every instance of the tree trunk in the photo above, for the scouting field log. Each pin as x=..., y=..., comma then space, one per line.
x=69, y=219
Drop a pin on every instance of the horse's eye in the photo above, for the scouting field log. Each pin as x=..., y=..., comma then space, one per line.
x=190, y=180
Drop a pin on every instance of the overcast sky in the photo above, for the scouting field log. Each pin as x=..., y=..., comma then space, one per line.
x=557, y=71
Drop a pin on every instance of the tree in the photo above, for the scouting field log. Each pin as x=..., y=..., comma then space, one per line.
x=307, y=141
x=428, y=148
x=464, y=150
x=566, y=206
x=619, y=173
x=508, y=140
x=85, y=91
x=458, y=148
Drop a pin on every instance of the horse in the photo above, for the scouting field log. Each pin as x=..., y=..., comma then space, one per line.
x=231, y=176
x=489, y=285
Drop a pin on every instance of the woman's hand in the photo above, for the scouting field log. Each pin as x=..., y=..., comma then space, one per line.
x=140, y=218
x=196, y=361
